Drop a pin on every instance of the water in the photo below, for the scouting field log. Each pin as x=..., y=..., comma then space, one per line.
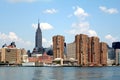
x=59, y=73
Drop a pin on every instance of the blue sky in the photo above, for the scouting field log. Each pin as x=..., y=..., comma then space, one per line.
x=19, y=18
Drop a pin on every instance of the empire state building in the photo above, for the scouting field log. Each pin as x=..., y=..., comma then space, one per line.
x=38, y=39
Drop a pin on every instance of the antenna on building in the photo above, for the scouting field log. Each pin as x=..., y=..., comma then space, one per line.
x=38, y=23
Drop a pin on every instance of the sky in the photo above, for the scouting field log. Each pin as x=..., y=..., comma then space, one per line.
x=19, y=19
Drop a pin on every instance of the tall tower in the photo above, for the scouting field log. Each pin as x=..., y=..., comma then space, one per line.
x=38, y=38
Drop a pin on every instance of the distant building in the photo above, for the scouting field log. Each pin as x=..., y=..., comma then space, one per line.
x=58, y=46
x=82, y=49
x=38, y=40
x=116, y=46
x=11, y=55
x=117, y=60
x=71, y=51
x=103, y=53
x=41, y=59
x=49, y=51
x=95, y=50
x=89, y=51
x=111, y=53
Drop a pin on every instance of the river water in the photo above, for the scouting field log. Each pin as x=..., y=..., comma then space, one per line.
x=59, y=73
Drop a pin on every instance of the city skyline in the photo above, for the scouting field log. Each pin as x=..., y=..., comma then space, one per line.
x=18, y=20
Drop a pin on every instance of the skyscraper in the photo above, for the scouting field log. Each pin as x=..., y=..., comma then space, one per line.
x=38, y=39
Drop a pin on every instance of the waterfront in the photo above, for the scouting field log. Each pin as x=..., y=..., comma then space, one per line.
x=59, y=73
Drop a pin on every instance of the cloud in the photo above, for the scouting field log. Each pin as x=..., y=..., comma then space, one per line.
x=108, y=10
x=80, y=12
x=19, y=1
x=11, y=36
x=50, y=11
x=110, y=38
x=43, y=26
x=82, y=28
x=46, y=43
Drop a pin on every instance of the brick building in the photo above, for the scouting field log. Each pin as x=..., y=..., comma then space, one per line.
x=82, y=49
x=95, y=51
x=58, y=46
x=89, y=51
x=103, y=53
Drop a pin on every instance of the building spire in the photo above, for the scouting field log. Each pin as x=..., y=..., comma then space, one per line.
x=38, y=24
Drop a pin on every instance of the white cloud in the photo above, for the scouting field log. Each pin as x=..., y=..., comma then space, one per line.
x=110, y=38
x=18, y=1
x=20, y=43
x=43, y=26
x=108, y=10
x=82, y=28
x=79, y=12
x=50, y=11
x=46, y=43
x=92, y=33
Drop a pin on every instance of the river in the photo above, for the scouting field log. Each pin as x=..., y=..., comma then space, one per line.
x=59, y=73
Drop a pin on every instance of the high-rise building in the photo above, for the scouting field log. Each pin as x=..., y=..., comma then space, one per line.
x=103, y=53
x=89, y=51
x=82, y=49
x=58, y=46
x=38, y=39
x=95, y=51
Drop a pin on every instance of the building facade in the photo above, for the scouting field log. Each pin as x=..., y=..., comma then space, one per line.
x=82, y=49
x=117, y=54
x=11, y=55
x=103, y=53
x=89, y=51
x=95, y=51
x=58, y=46
x=116, y=46
x=71, y=51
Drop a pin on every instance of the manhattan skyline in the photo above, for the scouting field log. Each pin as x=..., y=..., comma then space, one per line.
x=19, y=19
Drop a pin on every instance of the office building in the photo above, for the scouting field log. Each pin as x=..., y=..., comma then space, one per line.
x=38, y=40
